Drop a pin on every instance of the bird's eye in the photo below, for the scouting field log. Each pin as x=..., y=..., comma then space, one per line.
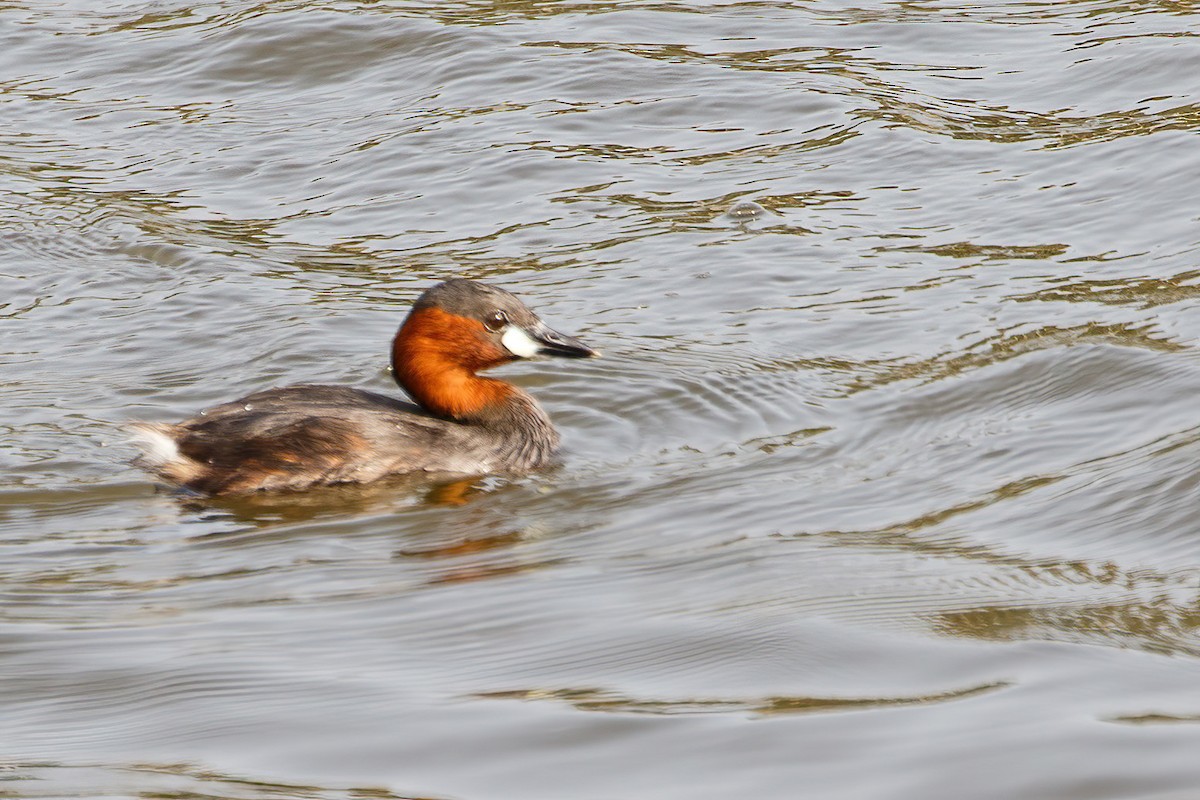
x=496, y=320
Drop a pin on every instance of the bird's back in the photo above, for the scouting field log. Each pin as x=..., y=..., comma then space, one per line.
x=300, y=436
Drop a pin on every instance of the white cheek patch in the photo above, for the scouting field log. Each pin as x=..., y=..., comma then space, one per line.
x=519, y=343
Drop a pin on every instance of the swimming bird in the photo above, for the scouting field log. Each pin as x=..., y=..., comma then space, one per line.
x=307, y=435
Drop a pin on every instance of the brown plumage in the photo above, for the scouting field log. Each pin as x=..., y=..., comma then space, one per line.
x=306, y=435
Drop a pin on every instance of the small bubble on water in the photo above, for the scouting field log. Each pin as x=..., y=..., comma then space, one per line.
x=745, y=210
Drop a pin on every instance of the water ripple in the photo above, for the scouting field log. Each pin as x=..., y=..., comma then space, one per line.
x=612, y=702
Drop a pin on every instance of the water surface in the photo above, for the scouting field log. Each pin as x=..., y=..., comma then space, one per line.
x=885, y=486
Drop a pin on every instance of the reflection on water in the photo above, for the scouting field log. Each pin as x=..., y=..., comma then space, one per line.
x=1157, y=719
x=599, y=700
x=890, y=459
x=344, y=501
x=1167, y=624
x=177, y=781
x=1142, y=292
x=1013, y=344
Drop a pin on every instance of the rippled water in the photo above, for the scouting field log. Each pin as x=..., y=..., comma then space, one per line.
x=885, y=488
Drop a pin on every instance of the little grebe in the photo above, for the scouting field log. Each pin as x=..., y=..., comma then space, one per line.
x=307, y=435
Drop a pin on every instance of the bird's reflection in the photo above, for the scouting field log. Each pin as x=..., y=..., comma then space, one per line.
x=445, y=530
x=270, y=509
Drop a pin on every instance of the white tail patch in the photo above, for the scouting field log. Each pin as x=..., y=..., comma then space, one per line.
x=155, y=442
x=160, y=452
